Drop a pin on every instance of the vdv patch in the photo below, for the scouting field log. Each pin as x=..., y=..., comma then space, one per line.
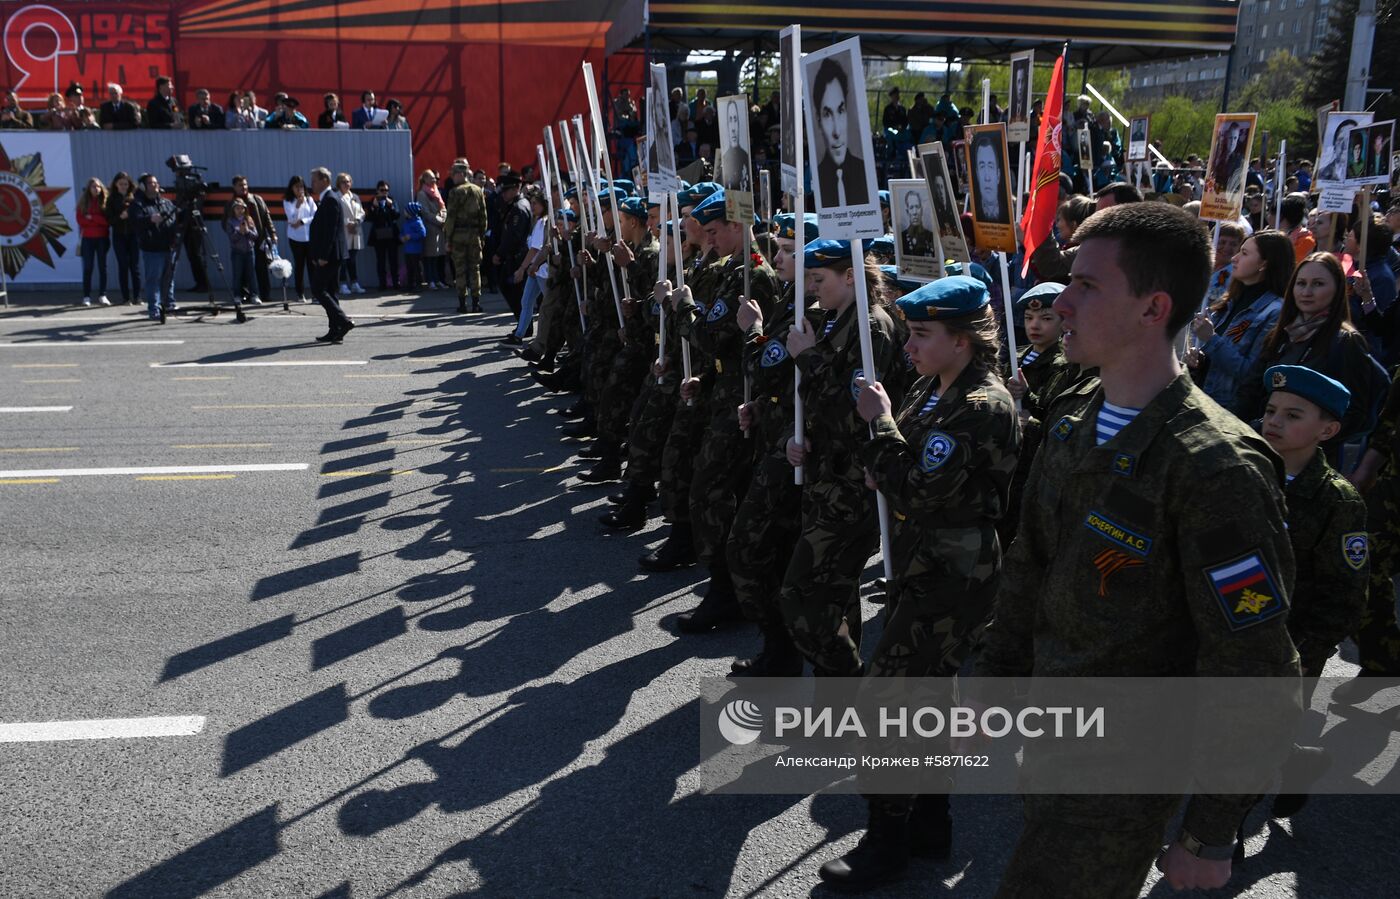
x=855, y=388
x=938, y=448
x=773, y=354
x=717, y=311
x=1113, y=532
x=1356, y=547
x=1245, y=591
x=1063, y=428
x=1124, y=464
x=655, y=309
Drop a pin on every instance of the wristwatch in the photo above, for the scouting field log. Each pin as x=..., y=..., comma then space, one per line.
x=1205, y=851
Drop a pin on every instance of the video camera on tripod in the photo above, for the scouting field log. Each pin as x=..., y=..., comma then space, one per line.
x=190, y=187
x=191, y=190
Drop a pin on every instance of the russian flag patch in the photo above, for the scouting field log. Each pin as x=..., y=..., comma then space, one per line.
x=1245, y=590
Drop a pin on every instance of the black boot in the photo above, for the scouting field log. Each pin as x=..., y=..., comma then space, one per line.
x=607, y=468
x=575, y=412
x=719, y=607
x=1300, y=771
x=642, y=495
x=676, y=552
x=581, y=430
x=631, y=515
x=461, y=305
x=778, y=657
x=931, y=828
x=476, y=304
x=881, y=856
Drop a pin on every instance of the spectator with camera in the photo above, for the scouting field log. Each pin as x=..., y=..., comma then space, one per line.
x=300, y=208
x=285, y=113
x=239, y=115
x=157, y=233
x=382, y=219
x=11, y=116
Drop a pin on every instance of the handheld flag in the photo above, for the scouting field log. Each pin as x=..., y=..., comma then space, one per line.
x=1045, y=184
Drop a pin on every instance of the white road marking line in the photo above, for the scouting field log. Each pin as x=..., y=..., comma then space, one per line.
x=50, y=344
x=258, y=364
x=36, y=408
x=44, y=365
x=40, y=449
x=158, y=469
x=101, y=729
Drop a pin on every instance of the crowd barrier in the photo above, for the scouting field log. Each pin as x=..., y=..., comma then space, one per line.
x=42, y=176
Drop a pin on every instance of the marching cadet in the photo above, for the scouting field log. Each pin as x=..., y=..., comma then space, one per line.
x=724, y=459
x=945, y=466
x=1043, y=374
x=601, y=342
x=1151, y=543
x=820, y=591
x=636, y=259
x=1327, y=528
x=466, y=231
x=559, y=310
x=651, y=424
x=765, y=526
x=682, y=441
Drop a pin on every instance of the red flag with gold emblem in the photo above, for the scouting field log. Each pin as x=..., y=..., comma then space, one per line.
x=1045, y=175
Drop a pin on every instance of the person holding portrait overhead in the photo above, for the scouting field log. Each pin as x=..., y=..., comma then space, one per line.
x=735, y=170
x=840, y=171
x=987, y=181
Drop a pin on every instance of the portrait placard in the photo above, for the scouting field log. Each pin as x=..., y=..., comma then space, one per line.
x=1223, y=196
x=1139, y=131
x=917, y=254
x=990, y=188
x=947, y=223
x=838, y=120
x=1018, y=113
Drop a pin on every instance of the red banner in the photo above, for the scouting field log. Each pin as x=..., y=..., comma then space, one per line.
x=1039, y=216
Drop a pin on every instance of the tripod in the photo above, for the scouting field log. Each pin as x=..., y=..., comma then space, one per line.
x=196, y=221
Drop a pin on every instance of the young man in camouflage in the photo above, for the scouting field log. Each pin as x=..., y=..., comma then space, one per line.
x=725, y=456
x=1152, y=543
x=466, y=230
x=601, y=342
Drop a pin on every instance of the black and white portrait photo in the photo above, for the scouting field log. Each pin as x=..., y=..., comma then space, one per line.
x=840, y=142
x=1331, y=168
x=789, y=53
x=991, y=200
x=947, y=221
x=916, y=246
x=1018, y=114
x=735, y=167
x=1137, y=138
x=661, y=153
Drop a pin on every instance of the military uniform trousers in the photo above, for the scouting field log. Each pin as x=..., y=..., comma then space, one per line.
x=1378, y=636
x=761, y=540
x=821, y=587
x=601, y=346
x=550, y=329
x=466, y=262
x=678, y=458
x=651, y=425
x=624, y=382
x=722, y=470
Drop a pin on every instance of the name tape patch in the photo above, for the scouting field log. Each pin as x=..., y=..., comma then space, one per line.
x=1133, y=542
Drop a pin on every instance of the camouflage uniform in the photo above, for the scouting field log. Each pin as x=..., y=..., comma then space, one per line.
x=839, y=526
x=601, y=342
x=466, y=229
x=1327, y=527
x=629, y=364
x=558, y=305
x=656, y=406
x=1049, y=375
x=766, y=524
x=1378, y=636
x=1162, y=552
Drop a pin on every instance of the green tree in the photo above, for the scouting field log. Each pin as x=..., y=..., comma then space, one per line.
x=1327, y=69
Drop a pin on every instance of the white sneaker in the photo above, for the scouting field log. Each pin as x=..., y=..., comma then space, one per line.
x=87, y=301
x=357, y=288
x=104, y=301
x=256, y=301
x=345, y=290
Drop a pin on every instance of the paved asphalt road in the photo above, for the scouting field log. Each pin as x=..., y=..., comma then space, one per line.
x=424, y=668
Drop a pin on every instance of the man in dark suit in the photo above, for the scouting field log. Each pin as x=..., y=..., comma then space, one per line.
x=326, y=251
x=840, y=171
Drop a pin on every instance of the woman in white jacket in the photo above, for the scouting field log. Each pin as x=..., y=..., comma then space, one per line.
x=354, y=232
x=300, y=207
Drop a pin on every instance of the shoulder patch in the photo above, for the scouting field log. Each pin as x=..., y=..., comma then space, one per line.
x=655, y=309
x=717, y=311
x=938, y=448
x=1245, y=591
x=1124, y=464
x=855, y=388
x=773, y=354
x=1356, y=548
x=1063, y=428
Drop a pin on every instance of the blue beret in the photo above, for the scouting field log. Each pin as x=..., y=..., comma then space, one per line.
x=624, y=184
x=904, y=284
x=610, y=194
x=1311, y=385
x=945, y=298
x=692, y=195
x=1041, y=296
x=674, y=225
x=973, y=269
x=787, y=227
x=633, y=206
x=825, y=252
x=710, y=209
x=882, y=246
x=571, y=193
x=884, y=198
x=567, y=215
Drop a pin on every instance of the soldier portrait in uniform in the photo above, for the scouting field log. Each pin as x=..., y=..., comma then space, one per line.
x=947, y=222
x=917, y=252
x=1331, y=168
x=787, y=94
x=735, y=170
x=1018, y=114
x=1137, y=138
x=661, y=153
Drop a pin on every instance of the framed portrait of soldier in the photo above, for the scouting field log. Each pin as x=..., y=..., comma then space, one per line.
x=1084, y=150
x=960, y=162
x=660, y=153
x=1139, y=127
x=789, y=94
x=1223, y=194
x=943, y=205
x=990, y=187
x=917, y=253
x=842, y=151
x=1394, y=173
x=735, y=163
x=1018, y=112
x=1331, y=168
x=1368, y=154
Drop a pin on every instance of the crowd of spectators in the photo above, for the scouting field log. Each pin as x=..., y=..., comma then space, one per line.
x=69, y=112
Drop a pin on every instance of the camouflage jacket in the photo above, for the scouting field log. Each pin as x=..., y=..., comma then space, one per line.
x=948, y=465
x=835, y=431
x=715, y=328
x=466, y=210
x=641, y=281
x=1327, y=527
x=770, y=368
